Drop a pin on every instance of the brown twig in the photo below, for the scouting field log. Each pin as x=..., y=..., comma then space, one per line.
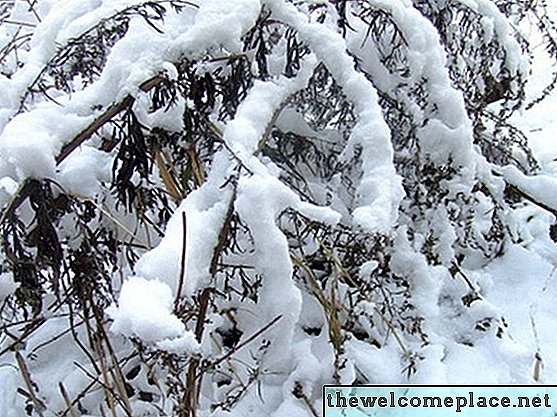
x=455, y=269
x=78, y=398
x=34, y=325
x=108, y=390
x=29, y=186
x=105, y=118
x=188, y=406
x=115, y=370
x=168, y=178
x=38, y=404
x=524, y=194
x=183, y=264
x=196, y=166
x=245, y=342
x=223, y=235
x=66, y=398
x=532, y=200
x=299, y=393
x=14, y=22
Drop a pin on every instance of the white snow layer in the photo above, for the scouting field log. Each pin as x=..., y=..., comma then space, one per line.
x=542, y=188
x=380, y=190
x=144, y=310
x=7, y=286
x=518, y=286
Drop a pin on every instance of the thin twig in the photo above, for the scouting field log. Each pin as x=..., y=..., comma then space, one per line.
x=169, y=180
x=38, y=404
x=33, y=326
x=78, y=398
x=13, y=22
x=456, y=268
x=524, y=194
x=193, y=384
x=223, y=234
x=78, y=342
x=244, y=343
x=53, y=339
x=105, y=118
x=299, y=393
x=108, y=390
x=115, y=370
x=141, y=243
x=183, y=265
x=66, y=398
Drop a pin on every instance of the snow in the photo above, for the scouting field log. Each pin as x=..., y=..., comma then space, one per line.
x=447, y=133
x=491, y=340
x=206, y=208
x=9, y=403
x=134, y=59
x=44, y=41
x=181, y=345
x=7, y=286
x=258, y=204
x=244, y=133
x=524, y=290
x=425, y=281
x=8, y=185
x=84, y=173
x=380, y=190
x=376, y=365
x=542, y=188
x=144, y=310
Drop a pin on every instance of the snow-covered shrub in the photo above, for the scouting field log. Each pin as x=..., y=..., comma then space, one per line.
x=215, y=207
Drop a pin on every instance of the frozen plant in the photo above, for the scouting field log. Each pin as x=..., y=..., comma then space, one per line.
x=213, y=208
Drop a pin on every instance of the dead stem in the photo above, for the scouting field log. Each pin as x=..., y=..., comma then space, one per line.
x=182, y=276
x=299, y=393
x=38, y=404
x=66, y=398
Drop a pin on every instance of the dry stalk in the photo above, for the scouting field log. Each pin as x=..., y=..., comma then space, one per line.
x=37, y=403
x=524, y=194
x=69, y=405
x=108, y=391
x=78, y=398
x=105, y=118
x=168, y=178
x=299, y=393
x=115, y=370
x=199, y=175
x=456, y=269
x=346, y=275
x=182, y=276
x=329, y=305
x=189, y=403
x=78, y=342
x=223, y=235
